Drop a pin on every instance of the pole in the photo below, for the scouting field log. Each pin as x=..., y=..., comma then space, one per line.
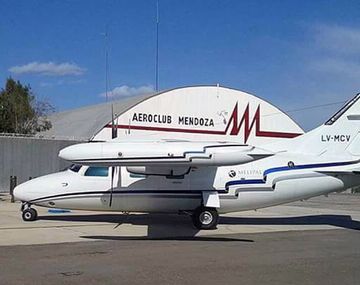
x=13, y=182
x=157, y=48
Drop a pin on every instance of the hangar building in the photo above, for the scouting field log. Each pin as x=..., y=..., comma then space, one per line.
x=207, y=113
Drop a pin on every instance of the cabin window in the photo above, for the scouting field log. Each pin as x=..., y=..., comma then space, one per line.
x=97, y=171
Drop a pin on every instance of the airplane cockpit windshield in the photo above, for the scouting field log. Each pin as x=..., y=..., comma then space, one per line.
x=97, y=171
x=74, y=167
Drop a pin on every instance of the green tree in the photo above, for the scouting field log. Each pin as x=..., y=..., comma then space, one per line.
x=20, y=112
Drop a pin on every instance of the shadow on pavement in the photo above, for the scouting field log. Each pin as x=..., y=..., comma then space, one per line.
x=158, y=226
x=342, y=221
x=175, y=227
x=176, y=238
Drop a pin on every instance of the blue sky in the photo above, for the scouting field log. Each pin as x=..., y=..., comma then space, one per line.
x=292, y=53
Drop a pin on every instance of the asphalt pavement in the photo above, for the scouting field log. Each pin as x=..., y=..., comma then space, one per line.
x=311, y=242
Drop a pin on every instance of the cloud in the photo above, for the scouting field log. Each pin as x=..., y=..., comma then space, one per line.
x=338, y=66
x=48, y=68
x=126, y=91
x=335, y=51
x=340, y=39
x=325, y=69
x=61, y=82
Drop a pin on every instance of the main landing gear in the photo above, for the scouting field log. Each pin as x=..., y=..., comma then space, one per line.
x=28, y=214
x=205, y=218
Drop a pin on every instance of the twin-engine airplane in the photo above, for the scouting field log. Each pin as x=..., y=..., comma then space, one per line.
x=202, y=179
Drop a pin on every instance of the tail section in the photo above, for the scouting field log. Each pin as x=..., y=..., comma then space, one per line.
x=339, y=135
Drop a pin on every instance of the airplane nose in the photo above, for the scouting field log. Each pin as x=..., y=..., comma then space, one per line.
x=20, y=193
x=26, y=191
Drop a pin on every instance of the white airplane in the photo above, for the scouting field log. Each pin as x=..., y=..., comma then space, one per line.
x=202, y=179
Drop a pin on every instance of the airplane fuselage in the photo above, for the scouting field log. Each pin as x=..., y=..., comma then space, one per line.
x=203, y=178
x=267, y=182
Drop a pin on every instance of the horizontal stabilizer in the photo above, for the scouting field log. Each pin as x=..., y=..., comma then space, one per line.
x=339, y=172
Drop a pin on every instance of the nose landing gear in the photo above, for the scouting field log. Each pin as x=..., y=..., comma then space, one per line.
x=28, y=214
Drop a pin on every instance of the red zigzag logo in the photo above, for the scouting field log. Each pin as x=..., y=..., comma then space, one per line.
x=249, y=126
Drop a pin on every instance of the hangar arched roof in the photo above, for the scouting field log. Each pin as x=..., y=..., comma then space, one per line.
x=84, y=123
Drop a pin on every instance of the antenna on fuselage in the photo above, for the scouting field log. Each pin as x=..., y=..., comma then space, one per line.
x=106, y=37
x=113, y=127
x=113, y=135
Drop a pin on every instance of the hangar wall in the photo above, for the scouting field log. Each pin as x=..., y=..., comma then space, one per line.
x=203, y=113
x=193, y=113
x=26, y=157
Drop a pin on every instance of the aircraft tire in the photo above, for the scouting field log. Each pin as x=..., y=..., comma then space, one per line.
x=29, y=215
x=205, y=218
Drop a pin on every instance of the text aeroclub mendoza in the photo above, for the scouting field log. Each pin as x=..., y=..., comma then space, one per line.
x=168, y=119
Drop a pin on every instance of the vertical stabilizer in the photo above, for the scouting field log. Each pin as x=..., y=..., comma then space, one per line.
x=337, y=136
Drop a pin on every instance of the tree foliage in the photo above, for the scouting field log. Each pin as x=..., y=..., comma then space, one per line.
x=20, y=112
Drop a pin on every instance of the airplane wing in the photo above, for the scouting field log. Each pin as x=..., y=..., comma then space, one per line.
x=162, y=153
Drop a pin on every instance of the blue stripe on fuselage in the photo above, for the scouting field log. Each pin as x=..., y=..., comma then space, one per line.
x=287, y=168
x=307, y=166
x=250, y=181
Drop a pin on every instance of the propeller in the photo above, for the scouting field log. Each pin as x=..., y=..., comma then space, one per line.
x=113, y=135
